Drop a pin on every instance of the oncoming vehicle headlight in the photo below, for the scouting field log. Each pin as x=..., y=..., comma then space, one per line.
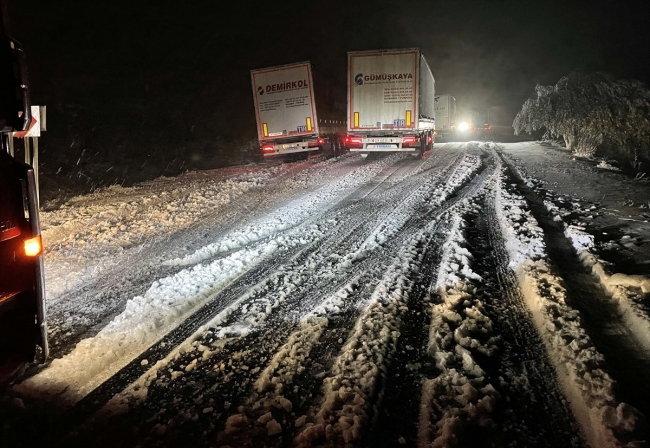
x=463, y=126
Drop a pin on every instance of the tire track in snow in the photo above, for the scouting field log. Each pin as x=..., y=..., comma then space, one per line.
x=495, y=387
x=85, y=310
x=359, y=371
x=343, y=418
x=625, y=358
x=159, y=350
x=361, y=222
x=580, y=366
x=397, y=417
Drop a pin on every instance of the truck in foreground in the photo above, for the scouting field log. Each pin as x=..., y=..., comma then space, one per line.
x=297, y=112
x=22, y=290
x=391, y=98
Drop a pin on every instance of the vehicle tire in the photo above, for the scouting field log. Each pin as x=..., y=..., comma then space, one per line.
x=423, y=145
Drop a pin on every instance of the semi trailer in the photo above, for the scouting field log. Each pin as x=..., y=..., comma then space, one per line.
x=445, y=107
x=391, y=102
x=297, y=110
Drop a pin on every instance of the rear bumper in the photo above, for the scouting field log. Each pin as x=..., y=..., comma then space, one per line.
x=395, y=149
x=400, y=143
x=274, y=149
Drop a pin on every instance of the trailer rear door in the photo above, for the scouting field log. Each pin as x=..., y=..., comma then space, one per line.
x=383, y=90
x=284, y=101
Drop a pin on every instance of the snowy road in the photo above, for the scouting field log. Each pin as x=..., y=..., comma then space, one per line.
x=388, y=301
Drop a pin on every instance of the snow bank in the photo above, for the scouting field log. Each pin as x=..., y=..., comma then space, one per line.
x=87, y=233
x=588, y=387
x=630, y=291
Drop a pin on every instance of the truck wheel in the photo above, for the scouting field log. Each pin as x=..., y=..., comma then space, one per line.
x=423, y=145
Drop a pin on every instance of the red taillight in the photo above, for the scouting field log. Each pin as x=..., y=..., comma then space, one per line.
x=352, y=141
x=321, y=141
x=268, y=148
x=430, y=139
x=33, y=246
x=409, y=140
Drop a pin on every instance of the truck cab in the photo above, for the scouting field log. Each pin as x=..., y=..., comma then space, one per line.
x=23, y=327
x=22, y=310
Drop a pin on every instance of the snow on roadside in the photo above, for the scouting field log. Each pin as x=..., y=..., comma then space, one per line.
x=630, y=291
x=83, y=236
x=149, y=317
x=288, y=216
x=461, y=398
x=589, y=388
x=604, y=165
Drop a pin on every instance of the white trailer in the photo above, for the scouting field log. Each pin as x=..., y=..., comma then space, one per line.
x=445, y=115
x=286, y=112
x=391, y=97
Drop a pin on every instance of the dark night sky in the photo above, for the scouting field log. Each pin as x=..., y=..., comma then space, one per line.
x=176, y=72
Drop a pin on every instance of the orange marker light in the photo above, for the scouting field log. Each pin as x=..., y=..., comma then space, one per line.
x=33, y=247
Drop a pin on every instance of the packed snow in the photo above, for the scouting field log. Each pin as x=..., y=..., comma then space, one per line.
x=331, y=259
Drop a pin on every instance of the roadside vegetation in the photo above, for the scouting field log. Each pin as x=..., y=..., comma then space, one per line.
x=593, y=115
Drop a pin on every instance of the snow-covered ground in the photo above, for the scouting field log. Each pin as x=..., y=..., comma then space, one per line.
x=359, y=302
